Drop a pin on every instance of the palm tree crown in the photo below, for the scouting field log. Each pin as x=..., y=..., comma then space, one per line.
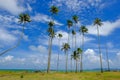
x=73, y=32
x=51, y=24
x=23, y=18
x=51, y=32
x=60, y=35
x=79, y=51
x=75, y=55
x=54, y=10
x=75, y=18
x=65, y=47
x=83, y=29
x=69, y=23
x=98, y=22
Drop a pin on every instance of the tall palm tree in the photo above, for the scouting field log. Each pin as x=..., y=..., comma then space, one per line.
x=59, y=36
x=69, y=24
x=65, y=48
x=75, y=56
x=51, y=34
x=98, y=23
x=53, y=10
x=23, y=19
x=73, y=34
x=75, y=19
x=83, y=30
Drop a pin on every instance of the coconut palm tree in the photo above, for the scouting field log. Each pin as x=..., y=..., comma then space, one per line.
x=51, y=34
x=65, y=48
x=59, y=37
x=98, y=23
x=53, y=10
x=75, y=19
x=23, y=19
x=83, y=30
x=75, y=56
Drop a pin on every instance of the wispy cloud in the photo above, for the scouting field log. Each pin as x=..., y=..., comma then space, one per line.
x=78, y=5
x=106, y=29
x=12, y=6
x=44, y=19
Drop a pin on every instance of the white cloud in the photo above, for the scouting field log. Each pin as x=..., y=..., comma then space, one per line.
x=44, y=19
x=9, y=38
x=91, y=56
x=12, y=6
x=9, y=34
x=8, y=58
x=118, y=54
x=77, y=6
x=39, y=61
x=39, y=48
x=8, y=19
x=106, y=29
x=110, y=45
x=6, y=37
x=17, y=32
x=29, y=7
x=64, y=39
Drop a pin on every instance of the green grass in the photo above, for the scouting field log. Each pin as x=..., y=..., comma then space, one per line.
x=10, y=75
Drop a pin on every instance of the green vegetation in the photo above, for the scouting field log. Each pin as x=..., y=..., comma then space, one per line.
x=9, y=75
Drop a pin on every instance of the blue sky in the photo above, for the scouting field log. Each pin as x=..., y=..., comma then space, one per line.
x=33, y=50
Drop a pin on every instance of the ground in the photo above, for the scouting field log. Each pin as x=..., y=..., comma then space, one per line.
x=10, y=75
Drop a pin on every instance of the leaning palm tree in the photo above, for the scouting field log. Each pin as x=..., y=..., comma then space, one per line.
x=75, y=56
x=51, y=34
x=65, y=48
x=98, y=23
x=83, y=30
x=59, y=38
x=23, y=19
x=75, y=19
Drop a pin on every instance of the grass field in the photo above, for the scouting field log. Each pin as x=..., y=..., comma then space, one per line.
x=9, y=75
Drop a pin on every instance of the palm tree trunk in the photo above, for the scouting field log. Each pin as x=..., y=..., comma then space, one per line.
x=80, y=62
x=18, y=43
x=66, y=61
x=100, y=54
x=107, y=58
x=71, y=54
x=81, y=66
x=75, y=36
x=71, y=64
x=49, y=55
x=76, y=66
x=58, y=56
